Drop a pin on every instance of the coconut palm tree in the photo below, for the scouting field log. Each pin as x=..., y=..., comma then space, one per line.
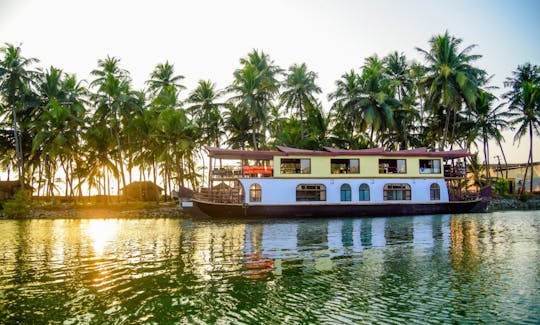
x=162, y=77
x=451, y=80
x=300, y=90
x=238, y=126
x=16, y=78
x=376, y=102
x=115, y=102
x=254, y=88
x=206, y=111
x=487, y=121
x=524, y=100
x=345, y=110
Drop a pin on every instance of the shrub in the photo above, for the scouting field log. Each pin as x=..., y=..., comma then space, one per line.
x=501, y=186
x=18, y=206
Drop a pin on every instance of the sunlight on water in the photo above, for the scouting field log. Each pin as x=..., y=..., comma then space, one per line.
x=101, y=232
x=439, y=269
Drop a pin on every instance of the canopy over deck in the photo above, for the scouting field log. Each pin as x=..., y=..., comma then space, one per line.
x=286, y=151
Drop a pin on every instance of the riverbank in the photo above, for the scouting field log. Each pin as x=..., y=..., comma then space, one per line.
x=173, y=211
x=131, y=210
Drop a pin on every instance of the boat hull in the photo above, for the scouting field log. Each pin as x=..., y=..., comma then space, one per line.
x=224, y=210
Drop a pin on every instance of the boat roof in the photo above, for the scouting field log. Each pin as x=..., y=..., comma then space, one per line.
x=287, y=151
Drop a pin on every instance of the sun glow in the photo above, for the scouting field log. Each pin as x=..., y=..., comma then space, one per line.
x=101, y=232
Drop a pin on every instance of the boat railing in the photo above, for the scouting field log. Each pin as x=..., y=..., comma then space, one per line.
x=245, y=171
x=451, y=171
x=220, y=196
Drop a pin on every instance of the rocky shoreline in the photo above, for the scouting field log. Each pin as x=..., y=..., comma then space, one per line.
x=513, y=204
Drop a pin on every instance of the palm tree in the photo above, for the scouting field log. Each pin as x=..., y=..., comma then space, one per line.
x=451, y=80
x=397, y=71
x=376, y=102
x=15, y=86
x=163, y=77
x=206, y=111
x=486, y=123
x=115, y=103
x=299, y=92
x=524, y=100
x=346, y=97
x=254, y=88
x=239, y=127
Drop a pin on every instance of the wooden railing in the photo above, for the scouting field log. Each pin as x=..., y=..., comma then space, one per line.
x=220, y=196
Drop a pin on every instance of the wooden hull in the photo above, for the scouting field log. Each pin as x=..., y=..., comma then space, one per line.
x=223, y=210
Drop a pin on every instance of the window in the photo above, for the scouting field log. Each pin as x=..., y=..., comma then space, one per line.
x=295, y=166
x=434, y=192
x=255, y=193
x=394, y=192
x=345, y=166
x=345, y=192
x=311, y=192
x=430, y=166
x=392, y=166
x=364, y=192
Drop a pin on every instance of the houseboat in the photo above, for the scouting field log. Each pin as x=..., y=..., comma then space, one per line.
x=290, y=182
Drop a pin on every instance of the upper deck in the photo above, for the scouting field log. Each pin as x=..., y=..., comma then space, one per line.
x=335, y=163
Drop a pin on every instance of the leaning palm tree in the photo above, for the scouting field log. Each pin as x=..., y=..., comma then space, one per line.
x=524, y=100
x=487, y=121
x=15, y=85
x=451, y=80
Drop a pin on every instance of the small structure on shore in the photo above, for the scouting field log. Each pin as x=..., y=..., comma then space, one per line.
x=9, y=188
x=142, y=191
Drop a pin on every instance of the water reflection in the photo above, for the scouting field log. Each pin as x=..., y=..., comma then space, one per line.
x=100, y=232
x=447, y=268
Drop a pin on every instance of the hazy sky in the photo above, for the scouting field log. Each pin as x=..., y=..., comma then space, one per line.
x=206, y=39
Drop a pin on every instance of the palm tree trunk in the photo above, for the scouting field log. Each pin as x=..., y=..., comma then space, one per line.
x=504, y=158
x=18, y=147
x=531, y=156
x=486, y=160
x=445, y=132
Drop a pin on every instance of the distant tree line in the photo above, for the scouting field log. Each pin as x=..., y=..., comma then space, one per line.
x=99, y=132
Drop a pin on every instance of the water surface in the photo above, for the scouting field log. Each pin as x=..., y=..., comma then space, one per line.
x=424, y=269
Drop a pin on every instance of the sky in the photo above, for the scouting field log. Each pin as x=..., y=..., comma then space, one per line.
x=205, y=39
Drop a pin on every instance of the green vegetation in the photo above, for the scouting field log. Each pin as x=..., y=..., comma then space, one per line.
x=101, y=132
x=18, y=206
x=501, y=186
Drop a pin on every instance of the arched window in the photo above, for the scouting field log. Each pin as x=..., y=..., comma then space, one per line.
x=310, y=192
x=397, y=192
x=255, y=193
x=364, y=192
x=434, y=192
x=345, y=192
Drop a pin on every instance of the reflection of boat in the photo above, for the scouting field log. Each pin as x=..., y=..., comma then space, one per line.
x=303, y=183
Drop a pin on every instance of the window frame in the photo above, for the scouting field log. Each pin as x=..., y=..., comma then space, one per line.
x=363, y=191
x=344, y=166
x=397, y=192
x=345, y=193
x=387, y=167
x=308, y=191
x=434, y=192
x=286, y=165
x=428, y=166
x=255, y=192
